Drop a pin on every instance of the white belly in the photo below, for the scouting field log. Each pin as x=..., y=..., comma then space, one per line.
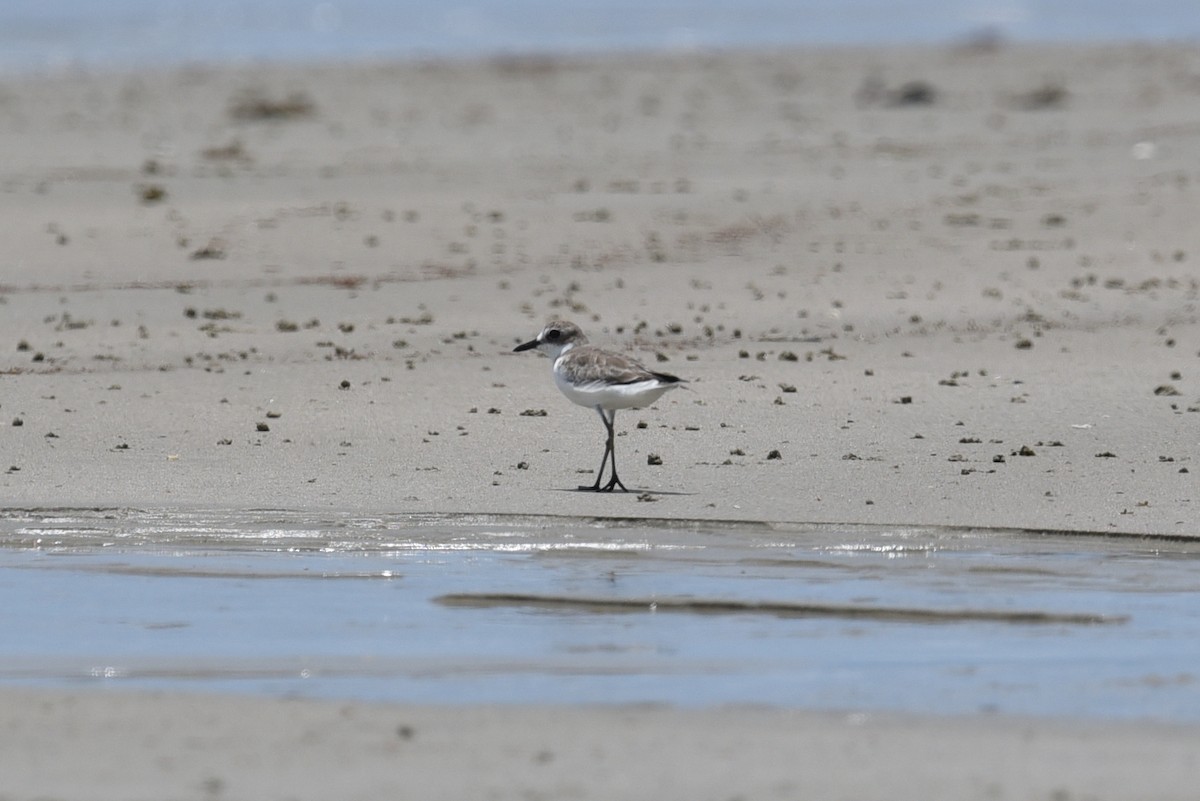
x=612, y=396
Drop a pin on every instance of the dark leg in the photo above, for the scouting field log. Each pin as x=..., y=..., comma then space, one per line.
x=610, y=452
x=608, y=443
x=609, y=423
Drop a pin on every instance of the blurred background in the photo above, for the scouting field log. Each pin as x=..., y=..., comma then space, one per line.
x=38, y=35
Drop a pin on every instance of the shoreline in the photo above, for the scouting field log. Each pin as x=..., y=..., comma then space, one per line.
x=452, y=519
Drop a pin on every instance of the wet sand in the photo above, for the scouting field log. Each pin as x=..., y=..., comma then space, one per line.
x=117, y=746
x=947, y=286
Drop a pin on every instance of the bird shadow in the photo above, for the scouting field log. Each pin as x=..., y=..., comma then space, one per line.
x=635, y=491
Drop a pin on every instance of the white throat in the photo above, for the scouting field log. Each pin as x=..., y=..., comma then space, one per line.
x=555, y=351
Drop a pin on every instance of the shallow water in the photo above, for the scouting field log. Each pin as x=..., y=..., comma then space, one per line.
x=150, y=33
x=477, y=609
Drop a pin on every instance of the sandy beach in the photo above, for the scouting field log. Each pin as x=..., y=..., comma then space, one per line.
x=931, y=286
x=901, y=270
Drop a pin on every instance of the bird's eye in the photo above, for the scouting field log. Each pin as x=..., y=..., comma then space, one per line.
x=553, y=334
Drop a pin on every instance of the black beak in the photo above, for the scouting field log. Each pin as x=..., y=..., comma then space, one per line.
x=533, y=343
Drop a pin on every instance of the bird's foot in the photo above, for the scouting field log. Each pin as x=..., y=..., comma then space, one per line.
x=606, y=488
x=614, y=482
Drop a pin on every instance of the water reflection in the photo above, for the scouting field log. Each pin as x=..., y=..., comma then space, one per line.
x=551, y=610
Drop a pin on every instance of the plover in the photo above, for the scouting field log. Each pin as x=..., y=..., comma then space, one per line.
x=601, y=380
